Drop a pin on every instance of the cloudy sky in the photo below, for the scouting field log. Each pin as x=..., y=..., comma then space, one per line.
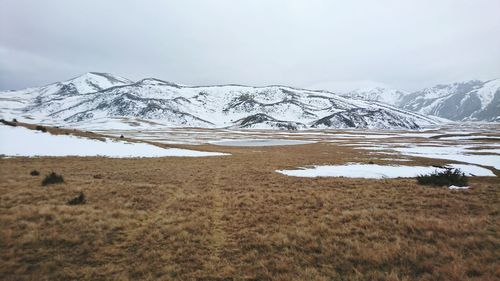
x=304, y=43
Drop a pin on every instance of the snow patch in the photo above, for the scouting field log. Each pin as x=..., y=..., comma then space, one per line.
x=457, y=153
x=374, y=171
x=18, y=141
x=458, y=187
x=259, y=142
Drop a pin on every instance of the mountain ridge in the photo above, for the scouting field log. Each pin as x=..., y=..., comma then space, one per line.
x=100, y=95
x=472, y=100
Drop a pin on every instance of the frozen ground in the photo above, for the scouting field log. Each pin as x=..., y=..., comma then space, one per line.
x=259, y=142
x=463, y=143
x=473, y=144
x=467, y=143
x=19, y=141
x=373, y=171
x=455, y=153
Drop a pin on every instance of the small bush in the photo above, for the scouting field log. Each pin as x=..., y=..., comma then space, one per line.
x=41, y=128
x=8, y=123
x=441, y=178
x=52, y=178
x=98, y=176
x=121, y=136
x=80, y=199
x=35, y=173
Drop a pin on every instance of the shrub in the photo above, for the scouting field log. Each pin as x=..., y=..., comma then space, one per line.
x=41, y=128
x=35, y=173
x=447, y=177
x=80, y=199
x=13, y=124
x=121, y=136
x=52, y=178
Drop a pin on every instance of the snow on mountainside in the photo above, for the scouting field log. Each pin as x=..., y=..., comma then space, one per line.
x=381, y=94
x=46, y=99
x=466, y=101
x=98, y=96
x=90, y=82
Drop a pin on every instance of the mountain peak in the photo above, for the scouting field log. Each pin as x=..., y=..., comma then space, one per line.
x=96, y=76
x=95, y=81
x=468, y=100
x=377, y=93
x=155, y=81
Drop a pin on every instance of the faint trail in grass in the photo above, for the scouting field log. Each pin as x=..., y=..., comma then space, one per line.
x=216, y=263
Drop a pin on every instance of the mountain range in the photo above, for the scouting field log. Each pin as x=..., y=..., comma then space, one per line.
x=94, y=97
x=463, y=101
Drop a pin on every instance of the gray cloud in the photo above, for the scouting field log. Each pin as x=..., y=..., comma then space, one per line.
x=405, y=44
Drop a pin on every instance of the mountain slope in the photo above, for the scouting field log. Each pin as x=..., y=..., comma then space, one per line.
x=464, y=101
x=46, y=99
x=473, y=100
x=84, y=99
x=380, y=94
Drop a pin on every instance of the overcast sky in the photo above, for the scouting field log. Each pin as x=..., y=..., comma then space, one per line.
x=303, y=43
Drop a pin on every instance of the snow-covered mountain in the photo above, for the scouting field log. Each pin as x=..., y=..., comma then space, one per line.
x=473, y=100
x=464, y=101
x=380, y=94
x=46, y=99
x=98, y=96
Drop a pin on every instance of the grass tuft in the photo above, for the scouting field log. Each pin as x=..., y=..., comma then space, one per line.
x=41, y=128
x=80, y=199
x=52, y=178
x=442, y=178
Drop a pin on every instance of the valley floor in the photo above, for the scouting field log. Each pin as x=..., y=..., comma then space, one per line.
x=235, y=218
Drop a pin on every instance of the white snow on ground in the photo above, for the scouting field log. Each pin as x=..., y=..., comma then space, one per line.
x=360, y=136
x=457, y=153
x=416, y=135
x=458, y=187
x=259, y=142
x=472, y=170
x=18, y=141
x=496, y=151
x=373, y=148
x=469, y=137
x=374, y=171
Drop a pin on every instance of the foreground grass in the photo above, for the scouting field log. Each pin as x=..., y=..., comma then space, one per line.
x=233, y=218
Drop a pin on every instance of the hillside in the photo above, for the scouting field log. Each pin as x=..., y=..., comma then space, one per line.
x=96, y=96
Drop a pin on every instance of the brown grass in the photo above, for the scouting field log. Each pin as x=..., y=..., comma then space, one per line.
x=234, y=218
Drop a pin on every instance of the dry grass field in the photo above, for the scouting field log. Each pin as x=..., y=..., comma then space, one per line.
x=234, y=218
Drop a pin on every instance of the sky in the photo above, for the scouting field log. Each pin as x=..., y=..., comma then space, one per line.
x=327, y=44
